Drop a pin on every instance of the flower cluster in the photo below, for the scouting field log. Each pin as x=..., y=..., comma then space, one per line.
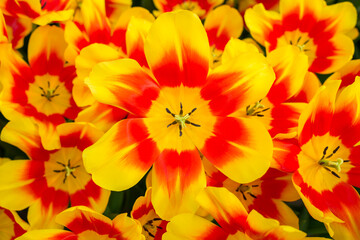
x=237, y=133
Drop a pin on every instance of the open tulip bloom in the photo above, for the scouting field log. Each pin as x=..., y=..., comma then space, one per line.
x=180, y=109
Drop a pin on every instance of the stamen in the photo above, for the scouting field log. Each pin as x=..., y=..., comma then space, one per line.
x=181, y=120
x=251, y=194
x=181, y=109
x=169, y=112
x=332, y=164
x=68, y=170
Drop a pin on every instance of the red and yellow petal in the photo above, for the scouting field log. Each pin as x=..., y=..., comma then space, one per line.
x=4, y=38
x=266, y=228
x=308, y=90
x=222, y=24
x=127, y=228
x=240, y=148
x=238, y=83
x=103, y=116
x=96, y=24
x=80, y=219
x=177, y=50
x=118, y=37
x=89, y=56
x=46, y=50
x=48, y=234
x=125, y=150
x=317, y=117
x=284, y=119
x=137, y=30
x=115, y=8
x=347, y=73
x=109, y=82
x=332, y=54
x=43, y=211
x=24, y=134
x=176, y=179
x=225, y=207
x=24, y=186
x=192, y=227
x=290, y=66
x=345, y=203
x=261, y=22
x=276, y=209
x=11, y=225
x=285, y=155
x=17, y=29
x=346, y=119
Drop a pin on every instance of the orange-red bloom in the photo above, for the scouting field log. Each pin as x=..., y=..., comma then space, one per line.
x=50, y=180
x=179, y=111
x=315, y=28
x=329, y=136
x=40, y=91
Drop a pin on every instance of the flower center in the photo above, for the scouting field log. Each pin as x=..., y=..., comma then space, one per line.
x=256, y=110
x=327, y=164
x=191, y=6
x=181, y=119
x=152, y=226
x=301, y=44
x=49, y=93
x=243, y=188
x=68, y=170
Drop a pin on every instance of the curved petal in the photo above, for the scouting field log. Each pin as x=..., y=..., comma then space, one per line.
x=24, y=186
x=332, y=54
x=89, y=56
x=267, y=228
x=239, y=83
x=290, y=66
x=24, y=135
x=80, y=219
x=222, y=24
x=285, y=155
x=96, y=24
x=103, y=116
x=48, y=234
x=346, y=120
x=125, y=150
x=192, y=227
x=261, y=22
x=308, y=90
x=12, y=226
x=317, y=117
x=46, y=50
x=276, y=209
x=137, y=30
x=42, y=212
x=127, y=228
x=225, y=207
x=347, y=73
x=284, y=119
x=240, y=148
x=176, y=179
x=20, y=27
x=345, y=203
x=177, y=50
x=123, y=83
x=119, y=30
